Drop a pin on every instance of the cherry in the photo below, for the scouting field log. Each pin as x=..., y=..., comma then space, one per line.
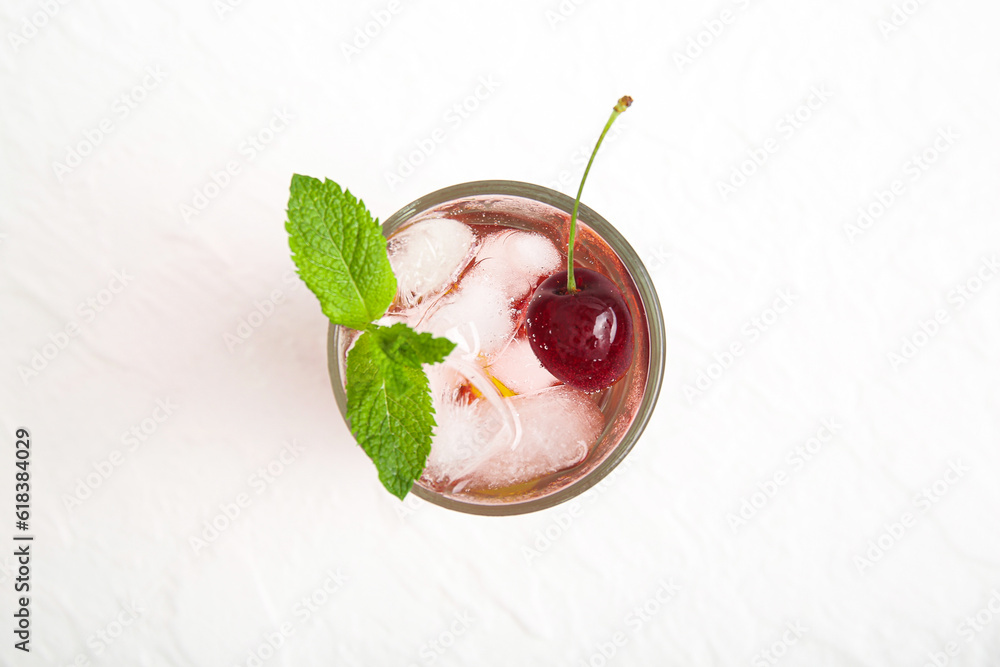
x=583, y=338
x=577, y=322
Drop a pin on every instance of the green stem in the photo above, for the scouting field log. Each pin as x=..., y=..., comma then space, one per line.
x=623, y=103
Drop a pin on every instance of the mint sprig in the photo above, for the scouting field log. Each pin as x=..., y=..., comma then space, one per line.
x=341, y=255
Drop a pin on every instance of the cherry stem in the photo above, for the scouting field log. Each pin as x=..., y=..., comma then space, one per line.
x=623, y=103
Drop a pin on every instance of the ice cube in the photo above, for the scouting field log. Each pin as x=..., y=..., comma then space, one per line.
x=428, y=256
x=476, y=315
x=466, y=426
x=518, y=369
x=483, y=311
x=558, y=427
x=516, y=260
x=463, y=433
x=555, y=430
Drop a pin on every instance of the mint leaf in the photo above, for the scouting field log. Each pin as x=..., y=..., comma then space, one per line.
x=339, y=251
x=405, y=346
x=389, y=403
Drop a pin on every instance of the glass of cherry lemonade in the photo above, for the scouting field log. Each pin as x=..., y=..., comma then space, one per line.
x=510, y=437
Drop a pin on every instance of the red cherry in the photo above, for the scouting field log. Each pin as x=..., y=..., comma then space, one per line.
x=583, y=338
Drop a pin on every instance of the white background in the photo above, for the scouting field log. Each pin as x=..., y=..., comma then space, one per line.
x=416, y=585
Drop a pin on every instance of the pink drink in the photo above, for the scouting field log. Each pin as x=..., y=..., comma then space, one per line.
x=508, y=433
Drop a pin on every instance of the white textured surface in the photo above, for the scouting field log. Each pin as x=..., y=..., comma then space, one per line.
x=416, y=573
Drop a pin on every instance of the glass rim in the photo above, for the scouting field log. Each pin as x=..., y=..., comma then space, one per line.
x=654, y=321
